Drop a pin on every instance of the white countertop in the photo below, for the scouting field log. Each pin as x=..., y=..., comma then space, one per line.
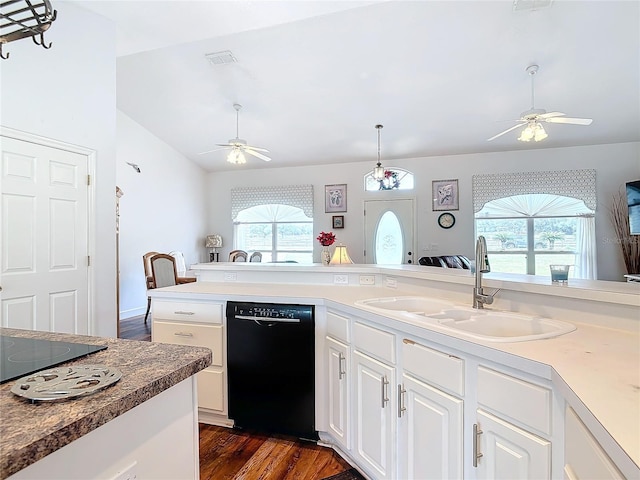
x=600, y=365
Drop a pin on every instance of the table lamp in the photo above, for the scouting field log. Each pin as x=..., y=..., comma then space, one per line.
x=213, y=242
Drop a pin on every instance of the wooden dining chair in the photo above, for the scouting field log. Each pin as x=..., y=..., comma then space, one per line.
x=162, y=272
x=237, y=256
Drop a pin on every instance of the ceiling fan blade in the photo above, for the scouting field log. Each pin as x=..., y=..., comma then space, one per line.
x=210, y=151
x=551, y=114
x=225, y=144
x=506, y=131
x=574, y=121
x=257, y=149
x=256, y=154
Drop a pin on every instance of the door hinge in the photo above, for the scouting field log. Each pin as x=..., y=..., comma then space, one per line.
x=88, y=179
x=88, y=260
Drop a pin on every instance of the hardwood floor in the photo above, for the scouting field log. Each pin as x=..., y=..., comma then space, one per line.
x=134, y=328
x=227, y=454
x=238, y=455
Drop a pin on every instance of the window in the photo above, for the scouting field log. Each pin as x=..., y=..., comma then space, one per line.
x=276, y=221
x=532, y=219
x=280, y=232
x=527, y=233
x=395, y=179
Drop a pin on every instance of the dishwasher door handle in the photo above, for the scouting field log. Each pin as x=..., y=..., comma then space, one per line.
x=267, y=319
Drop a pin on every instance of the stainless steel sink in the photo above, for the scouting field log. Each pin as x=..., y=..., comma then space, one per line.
x=486, y=325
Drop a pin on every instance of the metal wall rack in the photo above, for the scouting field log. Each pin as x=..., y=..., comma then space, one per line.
x=24, y=19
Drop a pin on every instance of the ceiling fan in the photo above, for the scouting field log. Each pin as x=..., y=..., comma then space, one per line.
x=239, y=146
x=532, y=118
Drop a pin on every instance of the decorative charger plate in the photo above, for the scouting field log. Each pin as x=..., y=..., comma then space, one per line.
x=61, y=383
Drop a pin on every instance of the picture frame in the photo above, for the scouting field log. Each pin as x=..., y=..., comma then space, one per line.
x=445, y=195
x=337, y=221
x=335, y=198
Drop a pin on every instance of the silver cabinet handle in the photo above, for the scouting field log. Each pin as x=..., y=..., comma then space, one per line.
x=341, y=372
x=183, y=334
x=385, y=396
x=180, y=312
x=401, y=407
x=476, y=442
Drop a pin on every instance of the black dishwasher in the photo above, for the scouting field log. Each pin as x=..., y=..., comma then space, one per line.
x=271, y=368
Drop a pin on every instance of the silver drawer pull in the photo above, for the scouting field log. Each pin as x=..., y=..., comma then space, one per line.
x=341, y=372
x=401, y=407
x=180, y=312
x=183, y=334
x=476, y=441
x=385, y=384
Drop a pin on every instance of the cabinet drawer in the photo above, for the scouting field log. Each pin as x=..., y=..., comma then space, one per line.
x=515, y=399
x=375, y=342
x=188, y=311
x=209, y=336
x=436, y=368
x=338, y=326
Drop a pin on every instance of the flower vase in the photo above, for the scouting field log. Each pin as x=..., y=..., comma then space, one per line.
x=325, y=256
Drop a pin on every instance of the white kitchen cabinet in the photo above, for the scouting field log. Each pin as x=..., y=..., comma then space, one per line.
x=431, y=432
x=507, y=452
x=431, y=410
x=584, y=458
x=339, y=375
x=513, y=417
x=375, y=416
x=198, y=324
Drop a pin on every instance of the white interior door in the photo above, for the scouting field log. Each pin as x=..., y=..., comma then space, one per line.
x=388, y=231
x=44, y=240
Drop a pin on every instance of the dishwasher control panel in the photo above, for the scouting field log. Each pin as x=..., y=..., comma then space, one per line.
x=271, y=310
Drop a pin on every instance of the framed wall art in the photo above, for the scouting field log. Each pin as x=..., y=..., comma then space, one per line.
x=445, y=194
x=335, y=198
x=337, y=221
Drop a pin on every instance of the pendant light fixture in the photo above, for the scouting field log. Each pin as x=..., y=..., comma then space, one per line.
x=378, y=172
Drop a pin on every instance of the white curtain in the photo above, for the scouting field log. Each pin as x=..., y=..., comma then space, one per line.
x=534, y=205
x=585, y=262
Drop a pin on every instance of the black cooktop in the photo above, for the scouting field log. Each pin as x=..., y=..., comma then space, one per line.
x=22, y=356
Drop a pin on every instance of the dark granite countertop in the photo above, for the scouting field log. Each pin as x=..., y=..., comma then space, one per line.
x=31, y=431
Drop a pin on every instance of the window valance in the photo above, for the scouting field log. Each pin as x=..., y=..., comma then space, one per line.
x=579, y=184
x=300, y=196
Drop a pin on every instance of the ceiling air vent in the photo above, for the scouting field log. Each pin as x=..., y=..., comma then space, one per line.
x=221, y=58
x=520, y=5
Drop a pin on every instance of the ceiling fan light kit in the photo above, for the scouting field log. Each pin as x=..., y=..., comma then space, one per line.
x=532, y=118
x=239, y=146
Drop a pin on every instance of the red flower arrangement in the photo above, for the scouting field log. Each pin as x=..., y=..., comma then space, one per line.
x=326, y=238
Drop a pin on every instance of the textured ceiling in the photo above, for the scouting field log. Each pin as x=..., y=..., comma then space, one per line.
x=315, y=77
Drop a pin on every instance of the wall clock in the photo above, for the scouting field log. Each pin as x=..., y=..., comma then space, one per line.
x=446, y=220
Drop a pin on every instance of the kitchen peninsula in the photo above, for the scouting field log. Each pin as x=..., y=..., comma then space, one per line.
x=144, y=425
x=572, y=401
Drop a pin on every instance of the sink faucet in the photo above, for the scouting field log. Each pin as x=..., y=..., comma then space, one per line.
x=480, y=298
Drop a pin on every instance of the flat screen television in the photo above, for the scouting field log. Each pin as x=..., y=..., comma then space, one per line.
x=633, y=201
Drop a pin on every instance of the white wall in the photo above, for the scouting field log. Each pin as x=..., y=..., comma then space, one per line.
x=68, y=93
x=615, y=164
x=163, y=209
